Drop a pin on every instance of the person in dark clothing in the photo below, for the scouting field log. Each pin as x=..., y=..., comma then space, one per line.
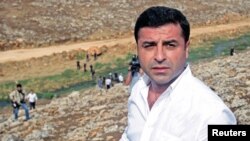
x=91, y=68
x=95, y=55
x=85, y=67
x=232, y=51
x=116, y=77
x=93, y=74
x=103, y=81
x=87, y=57
x=78, y=66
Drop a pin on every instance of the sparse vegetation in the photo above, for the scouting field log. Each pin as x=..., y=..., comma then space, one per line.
x=219, y=47
x=49, y=86
x=81, y=55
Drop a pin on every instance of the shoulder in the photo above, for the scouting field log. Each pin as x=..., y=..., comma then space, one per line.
x=194, y=90
x=12, y=93
x=199, y=99
x=24, y=91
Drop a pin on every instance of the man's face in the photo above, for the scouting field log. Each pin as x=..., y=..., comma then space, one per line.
x=162, y=52
x=19, y=88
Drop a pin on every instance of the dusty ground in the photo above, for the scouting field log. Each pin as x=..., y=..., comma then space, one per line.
x=14, y=61
x=38, y=23
x=94, y=115
x=24, y=54
x=57, y=26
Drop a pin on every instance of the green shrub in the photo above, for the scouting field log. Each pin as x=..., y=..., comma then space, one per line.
x=46, y=95
x=99, y=65
x=81, y=55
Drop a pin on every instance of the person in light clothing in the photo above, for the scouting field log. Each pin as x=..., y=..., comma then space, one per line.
x=169, y=103
x=32, y=97
x=108, y=83
x=120, y=78
x=17, y=98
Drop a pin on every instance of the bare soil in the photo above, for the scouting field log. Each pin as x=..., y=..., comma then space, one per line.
x=15, y=61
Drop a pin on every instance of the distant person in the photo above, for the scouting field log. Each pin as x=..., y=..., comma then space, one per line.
x=169, y=103
x=120, y=78
x=104, y=81
x=128, y=78
x=17, y=98
x=32, y=97
x=108, y=83
x=95, y=55
x=87, y=57
x=111, y=75
x=78, y=66
x=91, y=68
x=93, y=74
x=100, y=84
x=134, y=64
x=132, y=78
x=232, y=51
x=116, y=79
x=134, y=73
x=85, y=67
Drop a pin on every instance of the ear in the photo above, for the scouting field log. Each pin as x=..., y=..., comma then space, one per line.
x=187, y=48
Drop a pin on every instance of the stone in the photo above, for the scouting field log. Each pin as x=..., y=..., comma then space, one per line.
x=10, y=137
x=85, y=115
x=109, y=138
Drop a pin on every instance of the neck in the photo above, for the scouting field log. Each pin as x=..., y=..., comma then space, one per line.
x=155, y=90
x=158, y=89
x=154, y=94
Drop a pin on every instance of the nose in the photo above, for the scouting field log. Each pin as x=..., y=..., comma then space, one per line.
x=159, y=54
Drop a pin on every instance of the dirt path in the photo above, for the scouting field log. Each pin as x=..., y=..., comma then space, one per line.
x=23, y=54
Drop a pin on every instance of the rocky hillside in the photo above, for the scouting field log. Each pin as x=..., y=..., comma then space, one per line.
x=230, y=78
x=95, y=116
x=35, y=23
x=90, y=115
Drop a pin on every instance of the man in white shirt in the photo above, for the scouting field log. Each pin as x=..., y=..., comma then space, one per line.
x=32, y=97
x=120, y=78
x=108, y=83
x=169, y=103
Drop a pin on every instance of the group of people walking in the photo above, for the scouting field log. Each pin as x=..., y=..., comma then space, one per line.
x=92, y=71
x=108, y=82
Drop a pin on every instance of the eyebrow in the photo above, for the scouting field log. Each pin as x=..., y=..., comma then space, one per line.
x=169, y=42
x=164, y=42
x=149, y=43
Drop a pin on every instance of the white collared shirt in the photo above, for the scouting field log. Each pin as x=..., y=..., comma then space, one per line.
x=32, y=97
x=181, y=113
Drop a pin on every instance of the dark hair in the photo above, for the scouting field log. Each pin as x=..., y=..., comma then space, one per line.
x=160, y=15
x=18, y=85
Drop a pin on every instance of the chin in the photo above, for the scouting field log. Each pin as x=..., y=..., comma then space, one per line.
x=161, y=81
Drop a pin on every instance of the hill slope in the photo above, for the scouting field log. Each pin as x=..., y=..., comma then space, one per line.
x=36, y=23
x=90, y=115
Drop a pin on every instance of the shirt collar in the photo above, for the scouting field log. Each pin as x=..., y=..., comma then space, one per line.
x=146, y=80
x=180, y=77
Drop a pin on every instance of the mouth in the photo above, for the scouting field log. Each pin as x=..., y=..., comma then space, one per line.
x=160, y=69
